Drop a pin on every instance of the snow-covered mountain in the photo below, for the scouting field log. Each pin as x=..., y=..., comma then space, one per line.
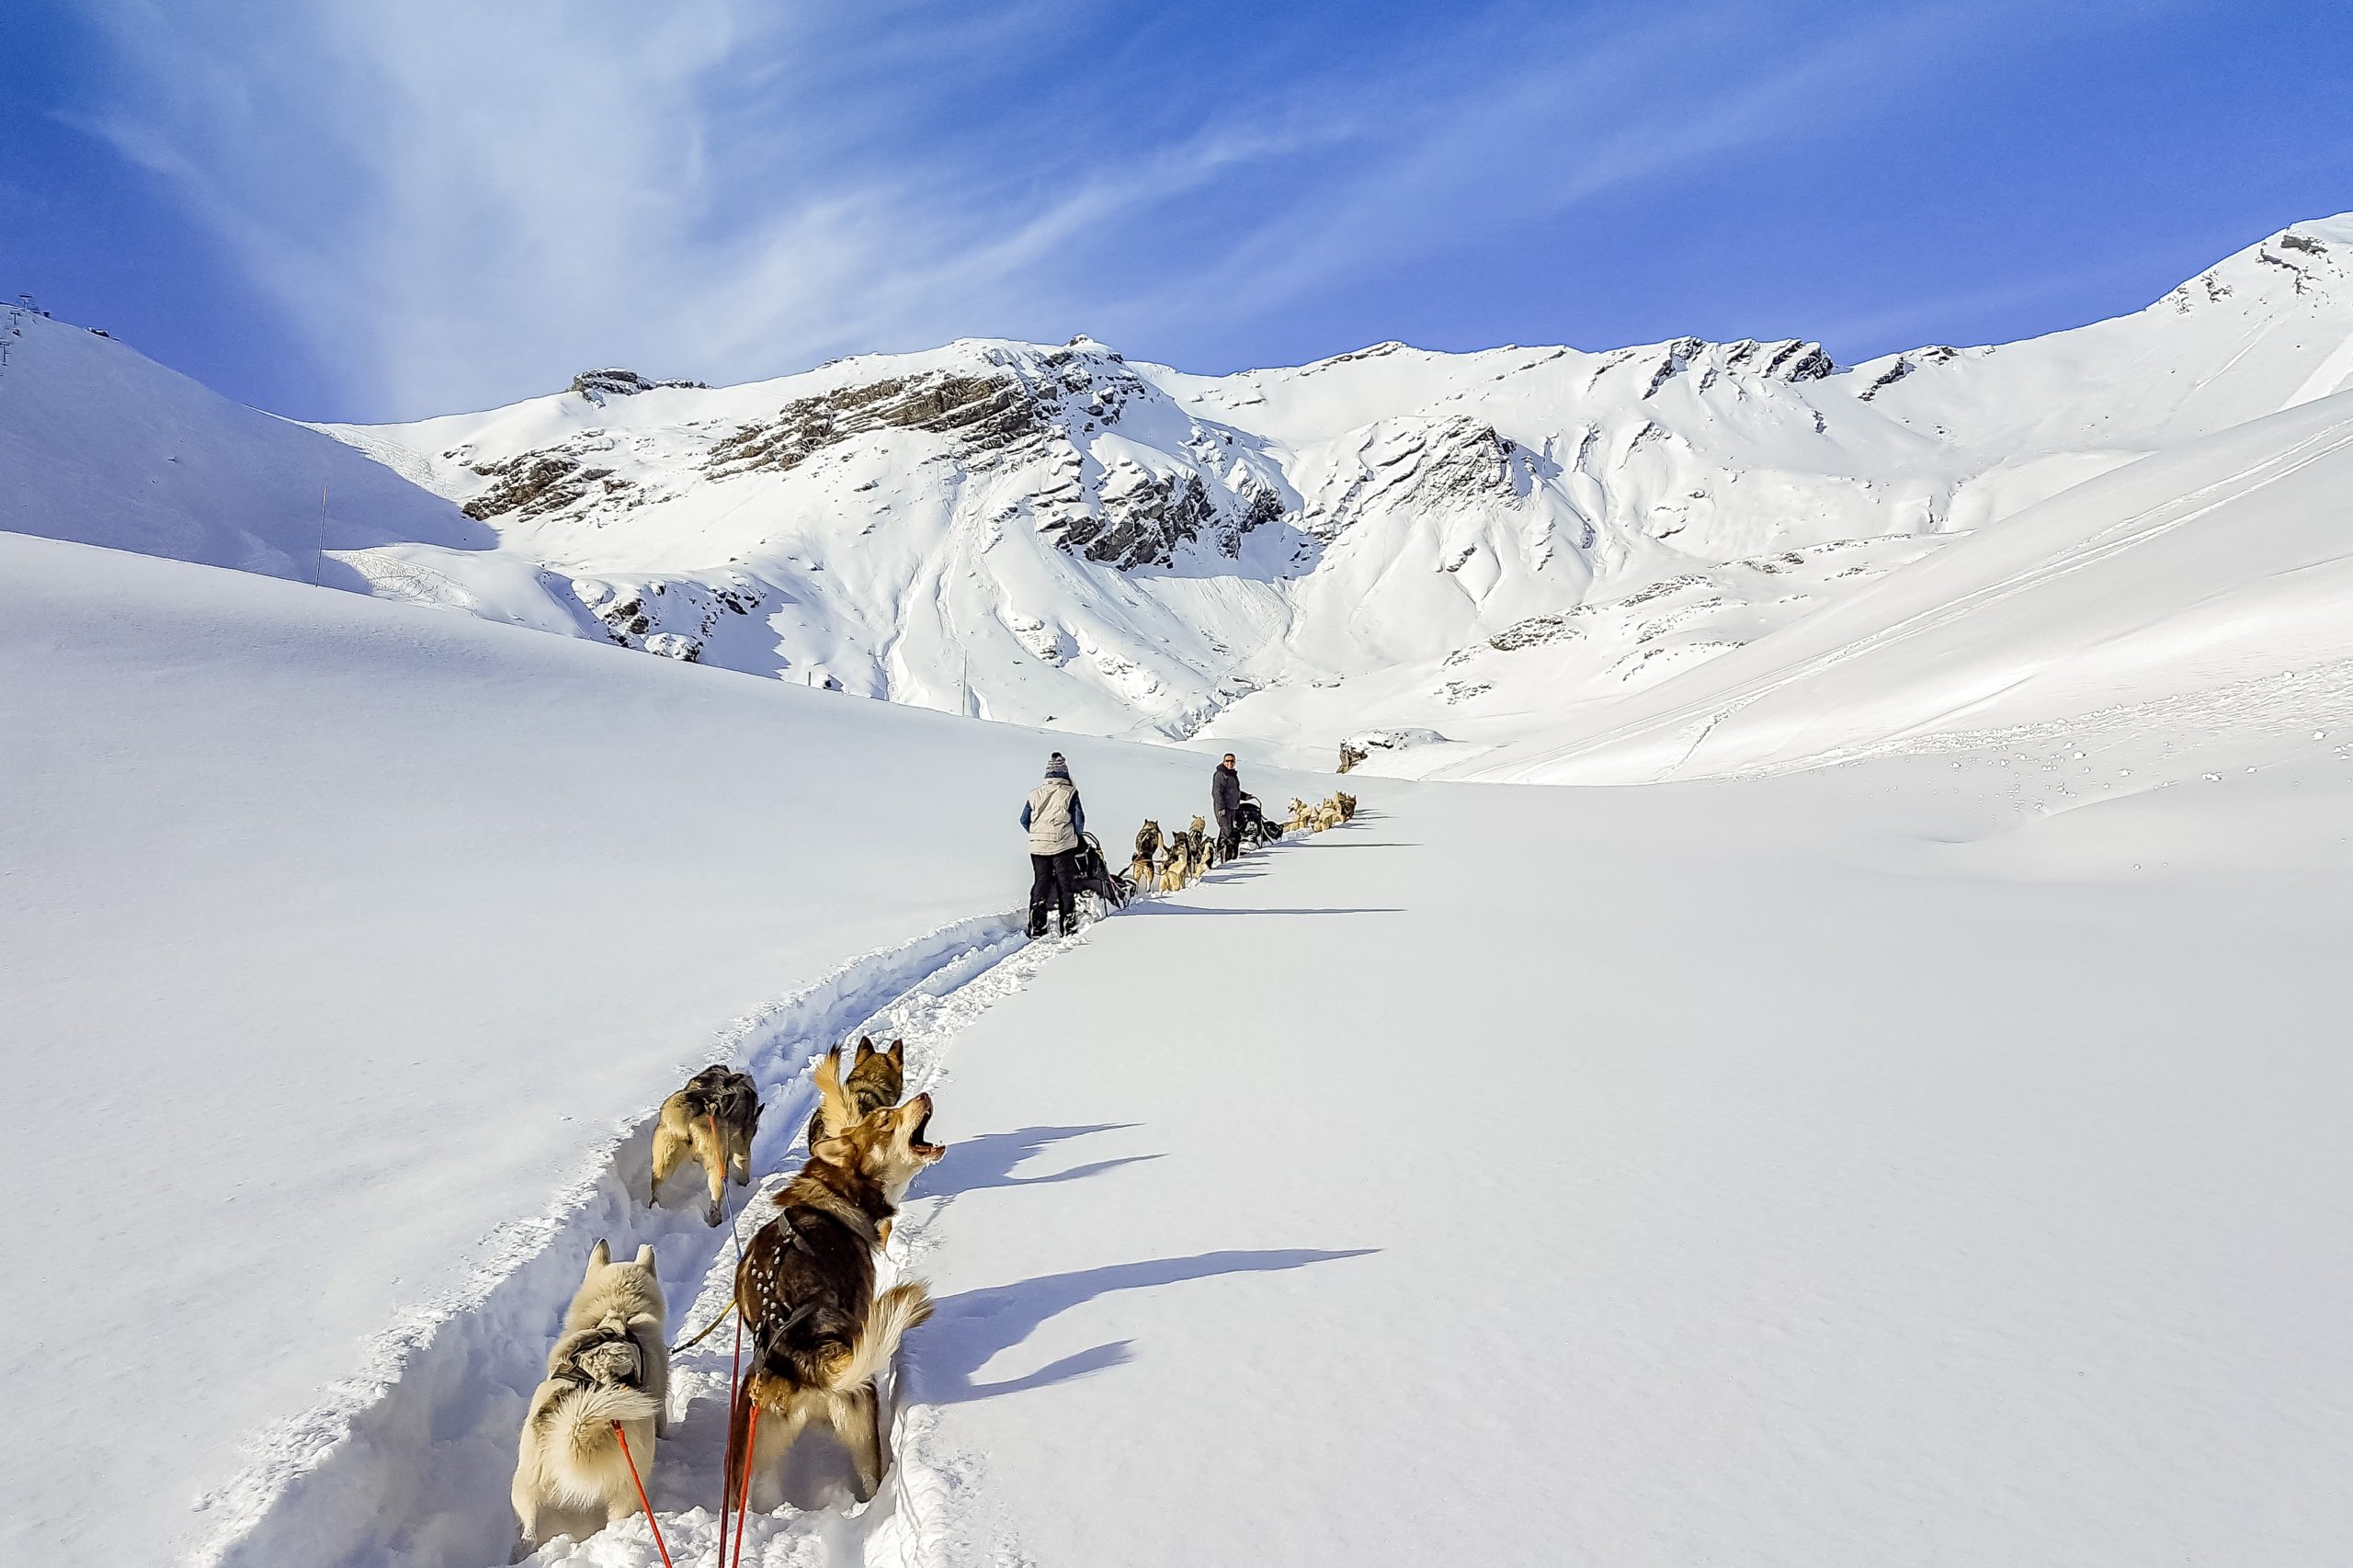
x=1393, y=545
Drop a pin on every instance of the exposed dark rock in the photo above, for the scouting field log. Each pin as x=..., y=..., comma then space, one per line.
x=1140, y=526
x=537, y=482
x=597, y=385
x=986, y=413
x=1798, y=360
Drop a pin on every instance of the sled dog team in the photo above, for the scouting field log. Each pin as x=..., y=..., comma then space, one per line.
x=1165, y=862
x=817, y=1331
x=1330, y=811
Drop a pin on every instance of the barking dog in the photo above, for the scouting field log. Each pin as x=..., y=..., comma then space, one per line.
x=610, y=1364
x=820, y=1333
x=712, y=1118
x=877, y=1078
x=1144, y=868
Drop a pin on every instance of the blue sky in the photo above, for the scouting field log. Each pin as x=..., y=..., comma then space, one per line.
x=382, y=208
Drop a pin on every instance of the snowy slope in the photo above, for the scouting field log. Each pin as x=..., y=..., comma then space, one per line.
x=1398, y=542
x=344, y=942
x=1289, y=556
x=102, y=445
x=1829, y=1172
x=1930, y=1159
x=2224, y=562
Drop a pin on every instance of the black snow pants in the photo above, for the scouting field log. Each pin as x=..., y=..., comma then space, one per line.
x=1053, y=879
x=1229, y=835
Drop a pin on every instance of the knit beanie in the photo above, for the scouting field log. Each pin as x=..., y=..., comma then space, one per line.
x=1056, y=767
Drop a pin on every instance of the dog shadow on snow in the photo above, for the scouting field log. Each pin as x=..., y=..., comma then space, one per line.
x=970, y=1329
x=974, y=1163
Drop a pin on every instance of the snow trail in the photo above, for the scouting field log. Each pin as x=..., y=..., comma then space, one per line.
x=406, y=1464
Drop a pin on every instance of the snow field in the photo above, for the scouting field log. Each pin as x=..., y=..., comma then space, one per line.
x=1849, y=1168
x=373, y=930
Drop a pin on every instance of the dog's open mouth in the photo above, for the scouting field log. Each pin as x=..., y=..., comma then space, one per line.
x=915, y=1145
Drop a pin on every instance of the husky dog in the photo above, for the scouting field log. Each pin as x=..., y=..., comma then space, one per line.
x=1197, y=848
x=608, y=1365
x=1298, y=820
x=1178, y=874
x=712, y=1118
x=820, y=1333
x=1348, y=804
x=1144, y=867
x=877, y=1078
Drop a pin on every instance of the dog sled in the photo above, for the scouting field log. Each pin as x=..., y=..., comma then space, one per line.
x=1111, y=889
x=1251, y=827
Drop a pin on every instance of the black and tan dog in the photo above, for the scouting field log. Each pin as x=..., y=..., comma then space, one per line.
x=1145, y=870
x=820, y=1333
x=876, y=1078
x=712, y=1118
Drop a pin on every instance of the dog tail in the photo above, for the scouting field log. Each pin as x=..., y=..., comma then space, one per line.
x=585, y=1422
x=895, y=1311
x=832, y=1105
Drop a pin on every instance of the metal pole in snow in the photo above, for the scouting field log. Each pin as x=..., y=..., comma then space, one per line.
x=319, y=568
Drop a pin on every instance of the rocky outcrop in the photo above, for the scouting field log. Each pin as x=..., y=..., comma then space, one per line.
x=599, y=386
x=537, y=482
x=668, y=616
x=986, y=414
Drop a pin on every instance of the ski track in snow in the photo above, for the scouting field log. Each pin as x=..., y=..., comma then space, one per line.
x=406, y=1464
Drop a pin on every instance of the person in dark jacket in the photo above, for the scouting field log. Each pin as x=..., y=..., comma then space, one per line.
x=1054, y=819
x=1225, y=800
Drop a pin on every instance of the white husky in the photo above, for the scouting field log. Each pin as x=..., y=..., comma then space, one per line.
x=608, y=1365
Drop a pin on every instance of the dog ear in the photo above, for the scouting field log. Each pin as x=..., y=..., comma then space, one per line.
x=834, y=1152
x=898, y=1053
x=645, y=1258
x=865, y=1049
x=601, y=1257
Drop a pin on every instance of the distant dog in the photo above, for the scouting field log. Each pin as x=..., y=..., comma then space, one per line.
x=877, y=1078
x=1144, y=868
x=608, y=1365
x=712, y=1118
x=1197, y=848
x=1348, y=804
x=820, y=1333
x=1296, y=821
x=1178, y=871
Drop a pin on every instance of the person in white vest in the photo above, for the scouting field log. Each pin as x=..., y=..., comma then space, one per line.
x=1055, y=820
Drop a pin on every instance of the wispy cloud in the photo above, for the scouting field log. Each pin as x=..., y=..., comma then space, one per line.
x=459, y=203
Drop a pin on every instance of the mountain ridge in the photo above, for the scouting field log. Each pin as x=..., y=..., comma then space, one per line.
x=1392, y=539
